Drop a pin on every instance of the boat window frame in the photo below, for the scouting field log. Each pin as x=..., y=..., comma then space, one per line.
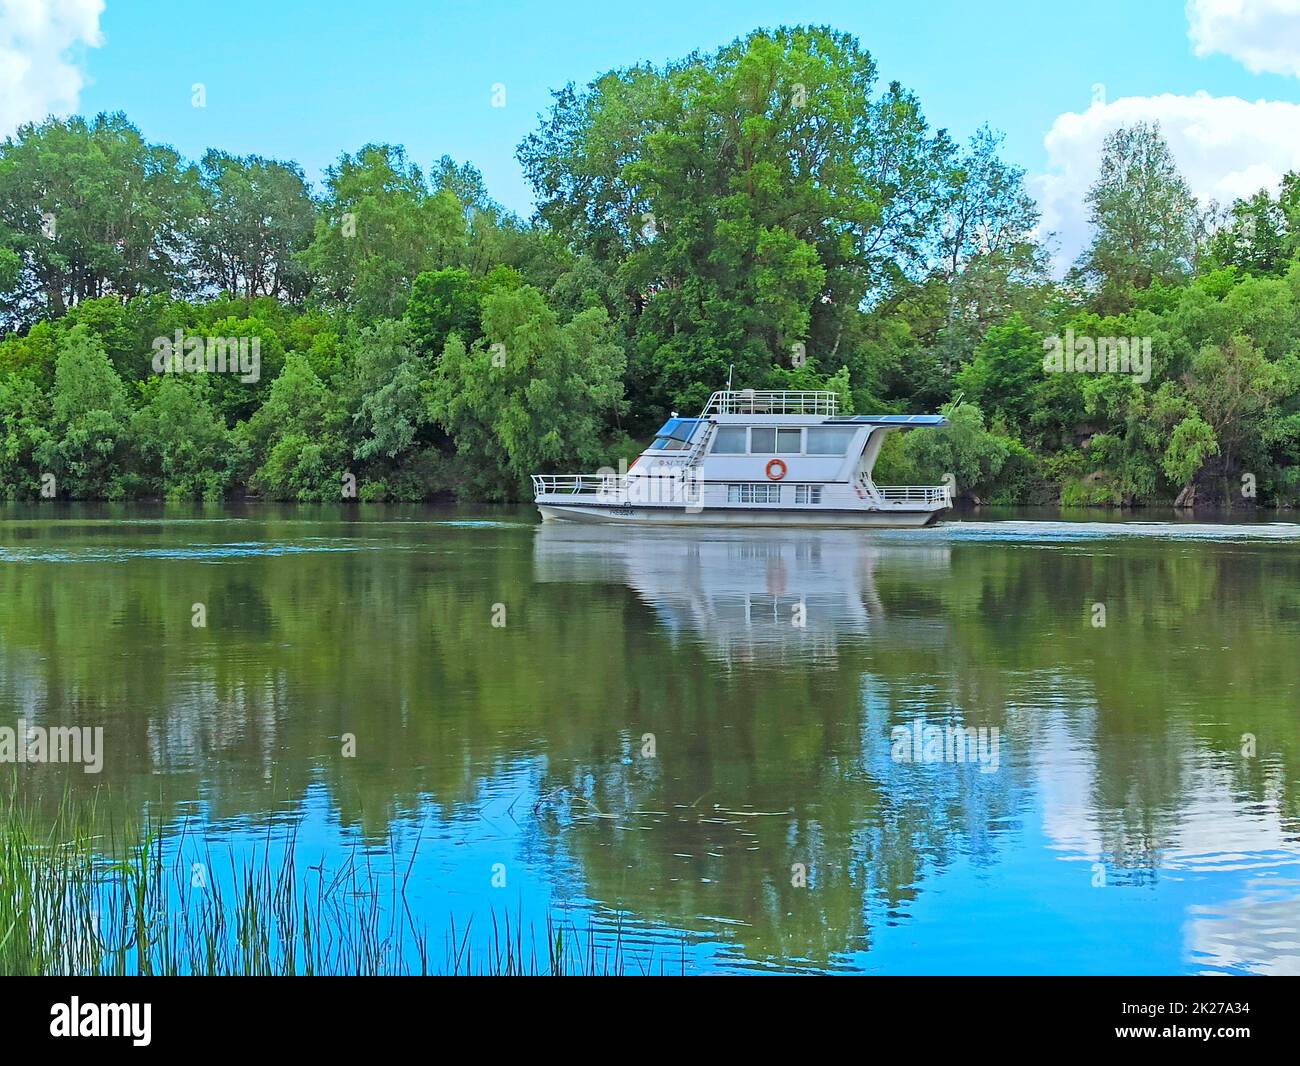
x=744, y=447
x=849, y=432
x=771, y=492
x=776, y=447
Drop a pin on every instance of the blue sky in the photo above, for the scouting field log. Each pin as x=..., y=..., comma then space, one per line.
x=307, y=81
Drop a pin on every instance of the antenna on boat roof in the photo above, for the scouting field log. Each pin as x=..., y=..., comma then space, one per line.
x=730, y=368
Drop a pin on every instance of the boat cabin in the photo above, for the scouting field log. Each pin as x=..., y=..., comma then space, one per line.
x=757, y=457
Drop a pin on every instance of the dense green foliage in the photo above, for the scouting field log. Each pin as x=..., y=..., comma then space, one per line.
x=769, y=208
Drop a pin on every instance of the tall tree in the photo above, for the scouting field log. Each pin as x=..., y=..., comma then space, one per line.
x=258, y=215
x=90, y=209
x=1145, y=218
x=986, y=246
x=1261, y=233
x=753, y=198
x=378, y=228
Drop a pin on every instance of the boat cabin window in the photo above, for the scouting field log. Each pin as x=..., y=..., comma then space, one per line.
x=760, y=493
x=730, y=440
x=781, y=440
x=675, y=435
x=826, y=440
x=789, y=441
x=768, y=440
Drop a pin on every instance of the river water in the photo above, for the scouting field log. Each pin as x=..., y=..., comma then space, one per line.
x=999, y=745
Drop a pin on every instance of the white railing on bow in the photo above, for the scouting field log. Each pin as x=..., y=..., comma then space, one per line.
x=605, y=486
x=759, y=402
x=928, y=495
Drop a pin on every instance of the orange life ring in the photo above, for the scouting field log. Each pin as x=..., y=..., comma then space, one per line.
x=779, y=465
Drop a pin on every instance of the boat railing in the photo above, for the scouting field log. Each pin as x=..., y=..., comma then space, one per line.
x=760, y=402
x=701, y=444
x=677, y=487
x=606, y=486
x=928, y=495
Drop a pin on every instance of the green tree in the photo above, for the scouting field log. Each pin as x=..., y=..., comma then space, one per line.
x=391, y=407
x=298, y=434
x=1145, y=218
x=258, y=216
x=1125, y=438
x=378, y=228
x=443, y=302
x=91, y=209
x=534, y=396
x=753, y=198
x=966, y=450
x=986, y=249
x=1239, y=396
x=24, y=431
x=1254, y=238
x=89, y=442
x=1190, y=445
x=235, y=398
x=1003, y=378
x=186, y=450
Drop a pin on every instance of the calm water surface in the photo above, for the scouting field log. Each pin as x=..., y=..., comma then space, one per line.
x=670, y=726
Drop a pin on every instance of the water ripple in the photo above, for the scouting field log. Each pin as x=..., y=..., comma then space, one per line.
x=1055, y=532
x=203, y=551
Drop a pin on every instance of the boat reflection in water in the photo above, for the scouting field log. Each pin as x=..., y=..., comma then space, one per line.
x=746, y=595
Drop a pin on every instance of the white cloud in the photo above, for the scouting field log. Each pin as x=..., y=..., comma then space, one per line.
x=1264, y=35
x=40, y=45
x=1225, y=147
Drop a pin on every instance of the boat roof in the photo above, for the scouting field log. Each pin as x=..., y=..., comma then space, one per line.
x=887, y=420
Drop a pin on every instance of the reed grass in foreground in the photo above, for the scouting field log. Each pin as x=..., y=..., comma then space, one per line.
x=77, y=902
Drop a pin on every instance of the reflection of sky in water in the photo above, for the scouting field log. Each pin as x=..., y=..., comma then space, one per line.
x=1015, y=897
x=1258, y=932
x=941, y=868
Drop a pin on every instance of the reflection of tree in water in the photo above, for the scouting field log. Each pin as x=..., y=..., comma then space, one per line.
x=391, y=640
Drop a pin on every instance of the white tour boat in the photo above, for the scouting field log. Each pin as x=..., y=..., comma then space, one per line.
x=754, y=458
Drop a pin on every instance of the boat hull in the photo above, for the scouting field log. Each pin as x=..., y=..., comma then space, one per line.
x=739, y=516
